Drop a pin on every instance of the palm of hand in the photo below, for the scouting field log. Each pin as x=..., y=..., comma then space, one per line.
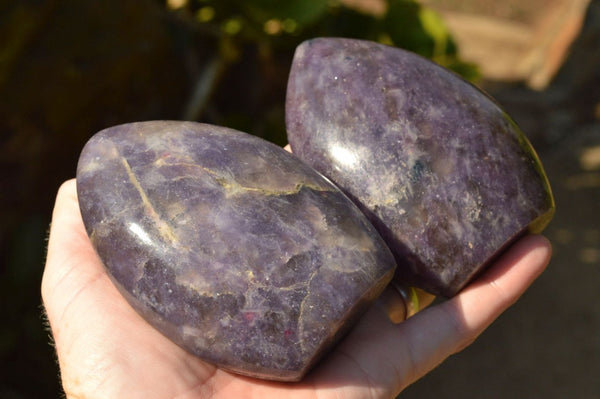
x=105, y=349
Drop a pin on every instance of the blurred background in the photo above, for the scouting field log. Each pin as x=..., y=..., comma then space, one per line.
x=70, y=68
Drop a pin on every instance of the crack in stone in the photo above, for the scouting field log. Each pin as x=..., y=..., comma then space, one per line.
x=165, y=230
x=234, y=187
x=302, y=310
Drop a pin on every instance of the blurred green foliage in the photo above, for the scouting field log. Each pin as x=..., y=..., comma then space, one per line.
x=275, y=24
x=274, y=28
x=69, y=68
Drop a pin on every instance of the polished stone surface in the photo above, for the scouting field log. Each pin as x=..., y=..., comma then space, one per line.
x=229, y=245
x=443, y=173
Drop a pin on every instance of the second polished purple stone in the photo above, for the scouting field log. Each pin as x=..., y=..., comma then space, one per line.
x=229, y=245
x=443, y=173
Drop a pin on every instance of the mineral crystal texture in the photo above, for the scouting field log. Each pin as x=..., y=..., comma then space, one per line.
x=229, y=245
x=442, y=172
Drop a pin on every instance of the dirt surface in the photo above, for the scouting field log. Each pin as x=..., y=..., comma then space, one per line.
x=528, y=12
x=514, y=40
x=548, y=344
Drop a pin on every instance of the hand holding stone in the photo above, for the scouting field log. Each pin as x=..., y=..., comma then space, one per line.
x=105, y=349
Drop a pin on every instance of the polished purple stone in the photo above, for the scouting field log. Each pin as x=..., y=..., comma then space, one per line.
x=443, y=173
x=228, y=244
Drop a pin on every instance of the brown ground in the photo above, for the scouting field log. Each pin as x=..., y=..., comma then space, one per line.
x=527, y=12
x=548, y=344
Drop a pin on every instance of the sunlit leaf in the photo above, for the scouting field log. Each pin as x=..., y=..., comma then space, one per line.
x=434, y=26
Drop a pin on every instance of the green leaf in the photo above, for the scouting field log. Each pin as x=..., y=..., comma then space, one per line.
x=435, y=28
x=301, y=11
x=404, y=27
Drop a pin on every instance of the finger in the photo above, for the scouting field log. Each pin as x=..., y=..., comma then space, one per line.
x=99, y=337
x=392, y=356
x=490, y=295
x=443, y=330
x=67, y=237
x=72, y=271
x=76, y=290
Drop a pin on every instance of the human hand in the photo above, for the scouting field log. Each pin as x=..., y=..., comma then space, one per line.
x=106, y=350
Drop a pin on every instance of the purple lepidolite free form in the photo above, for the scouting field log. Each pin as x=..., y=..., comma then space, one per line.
x=229, y=245
x=440, y=169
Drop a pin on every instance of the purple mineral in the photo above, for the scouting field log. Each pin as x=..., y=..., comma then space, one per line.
x=442, y=172
x=229, y=245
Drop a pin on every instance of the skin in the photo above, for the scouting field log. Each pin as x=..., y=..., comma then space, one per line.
x=106, y=350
